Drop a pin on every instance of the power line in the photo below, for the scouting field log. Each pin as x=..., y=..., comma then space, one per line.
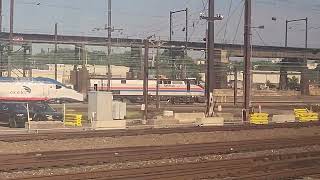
x=233, y=13
x=235, y=36
x=225, y=31
x=260, y=37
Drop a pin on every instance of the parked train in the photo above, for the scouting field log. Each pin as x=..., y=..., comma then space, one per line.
x=174, y=91
x=36, y=89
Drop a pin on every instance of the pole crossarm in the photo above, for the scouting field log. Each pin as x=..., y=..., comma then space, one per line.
x=295, y=20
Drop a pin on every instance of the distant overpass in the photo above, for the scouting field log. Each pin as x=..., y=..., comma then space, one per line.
x=234, y=50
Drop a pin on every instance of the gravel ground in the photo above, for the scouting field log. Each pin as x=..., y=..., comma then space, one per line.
x=152, y=140
x=139, y=164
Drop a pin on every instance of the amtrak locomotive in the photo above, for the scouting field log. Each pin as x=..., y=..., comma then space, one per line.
x=169, y=90
x=36, y=89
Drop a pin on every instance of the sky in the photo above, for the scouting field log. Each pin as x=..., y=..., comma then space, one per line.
x=141, y=18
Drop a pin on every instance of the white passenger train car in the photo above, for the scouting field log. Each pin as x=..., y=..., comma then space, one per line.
x=178, y=91
x=36, y=89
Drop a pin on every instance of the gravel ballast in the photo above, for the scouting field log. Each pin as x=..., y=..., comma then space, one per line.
x=153, y=140
x=139, y=164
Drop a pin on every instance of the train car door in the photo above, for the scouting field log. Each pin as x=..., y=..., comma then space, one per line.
x=188, y=86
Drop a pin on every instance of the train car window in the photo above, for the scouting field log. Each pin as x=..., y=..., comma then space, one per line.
x=177, y=82
x=4, y=107
x=160, y=82
x=58, y=87
x=167, y=82
x=95, y=87
x=123, y=81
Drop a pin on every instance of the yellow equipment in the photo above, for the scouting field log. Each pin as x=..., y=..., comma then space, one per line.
x=259, y=118
x=73, y=120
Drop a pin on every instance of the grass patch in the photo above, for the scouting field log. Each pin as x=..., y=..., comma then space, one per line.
x=134, y=114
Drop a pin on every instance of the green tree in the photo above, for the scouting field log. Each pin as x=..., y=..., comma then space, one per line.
x=293, y=83
x=172, y=62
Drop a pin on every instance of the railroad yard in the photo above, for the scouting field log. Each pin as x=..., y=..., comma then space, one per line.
x=159, y=90
x=168, y=149
x=234, y=152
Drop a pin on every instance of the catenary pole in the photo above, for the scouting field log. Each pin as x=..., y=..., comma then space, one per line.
x=55, y=51
x=247, y=61
x=109, y=46
x=211, y=79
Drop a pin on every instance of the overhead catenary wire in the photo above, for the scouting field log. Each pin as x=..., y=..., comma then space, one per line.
x=228, y=19
x=237, y=29
x=225, y=31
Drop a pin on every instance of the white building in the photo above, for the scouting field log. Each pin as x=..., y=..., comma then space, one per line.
x=262, y=77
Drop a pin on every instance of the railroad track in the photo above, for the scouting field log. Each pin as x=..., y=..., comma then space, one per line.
x=33, y=161
x=262, y=167
x=136, y=132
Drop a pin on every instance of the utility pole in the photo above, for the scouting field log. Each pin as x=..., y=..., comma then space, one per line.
x=158, y=78
x=140, y=76
x=170, y=53
x=29, y=63
x=304, y=83
x=0, y=16
x=211, y=74
x=55, y=51
x=10, y=37
x=145, y=80
x=283, y=85
x=186, y=48
x=186, y=28
x=305, y=80
x=247, y=61
x=186, y=40
x=210, y=61
x=235, y=90
x=211, y=78
x=1, y=60
x=170, y=27
x=27, y=54
x=24, y=69
x=158, y=74
x=1, y=45
x=109, y=46
x=286, y=36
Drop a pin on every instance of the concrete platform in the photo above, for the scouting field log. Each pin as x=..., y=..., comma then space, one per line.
x=283, y=118
x=44, y=125
x=168, y=113
x=103, y=125
x=211, y=121
x=229, y=117
x=162, y=121
x=184, y=118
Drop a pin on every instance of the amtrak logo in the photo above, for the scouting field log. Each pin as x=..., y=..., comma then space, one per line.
x=27, y=89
